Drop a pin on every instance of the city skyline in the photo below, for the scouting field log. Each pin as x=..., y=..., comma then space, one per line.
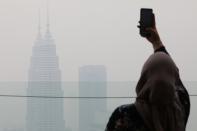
x=88, y=33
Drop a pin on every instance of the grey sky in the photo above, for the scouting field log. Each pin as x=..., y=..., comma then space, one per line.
x=96, y=32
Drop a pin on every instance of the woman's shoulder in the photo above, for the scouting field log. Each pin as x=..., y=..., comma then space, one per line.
x=125, y=117
x=128, y=110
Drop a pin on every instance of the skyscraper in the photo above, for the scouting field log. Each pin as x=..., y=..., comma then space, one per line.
x=92, y=83
x=44, y=80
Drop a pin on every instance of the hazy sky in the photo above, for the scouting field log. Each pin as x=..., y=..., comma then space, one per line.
x=96, y=32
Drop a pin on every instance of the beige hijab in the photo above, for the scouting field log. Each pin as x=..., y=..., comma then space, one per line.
x=157, y=99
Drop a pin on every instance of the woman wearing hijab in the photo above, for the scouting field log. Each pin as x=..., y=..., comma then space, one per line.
x=162, y=102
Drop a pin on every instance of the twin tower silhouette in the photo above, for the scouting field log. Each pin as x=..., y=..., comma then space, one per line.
x=47, y=20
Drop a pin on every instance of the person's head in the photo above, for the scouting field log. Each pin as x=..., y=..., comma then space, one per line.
x=158, y=67
x=157, y=99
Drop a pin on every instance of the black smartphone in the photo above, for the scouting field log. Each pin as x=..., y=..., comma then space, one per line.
x=146, y=20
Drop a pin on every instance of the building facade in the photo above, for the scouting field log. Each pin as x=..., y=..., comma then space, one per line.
x=93, y=107
x=44, y=79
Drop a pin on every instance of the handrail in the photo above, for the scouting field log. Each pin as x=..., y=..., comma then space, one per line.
x=70, y=97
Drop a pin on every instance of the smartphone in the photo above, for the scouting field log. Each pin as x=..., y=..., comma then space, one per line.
x=146, y=20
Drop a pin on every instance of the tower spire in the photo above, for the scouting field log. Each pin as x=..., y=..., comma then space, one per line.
x=39, y=27
x=48, y=36
x=48, y=17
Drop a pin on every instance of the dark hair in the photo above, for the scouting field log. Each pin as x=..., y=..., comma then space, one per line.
x=162, y=92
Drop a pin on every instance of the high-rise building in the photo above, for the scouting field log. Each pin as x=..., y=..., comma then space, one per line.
x=92, y=108
x=44, y=114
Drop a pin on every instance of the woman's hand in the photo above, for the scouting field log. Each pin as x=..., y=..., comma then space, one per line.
x=154, y=36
